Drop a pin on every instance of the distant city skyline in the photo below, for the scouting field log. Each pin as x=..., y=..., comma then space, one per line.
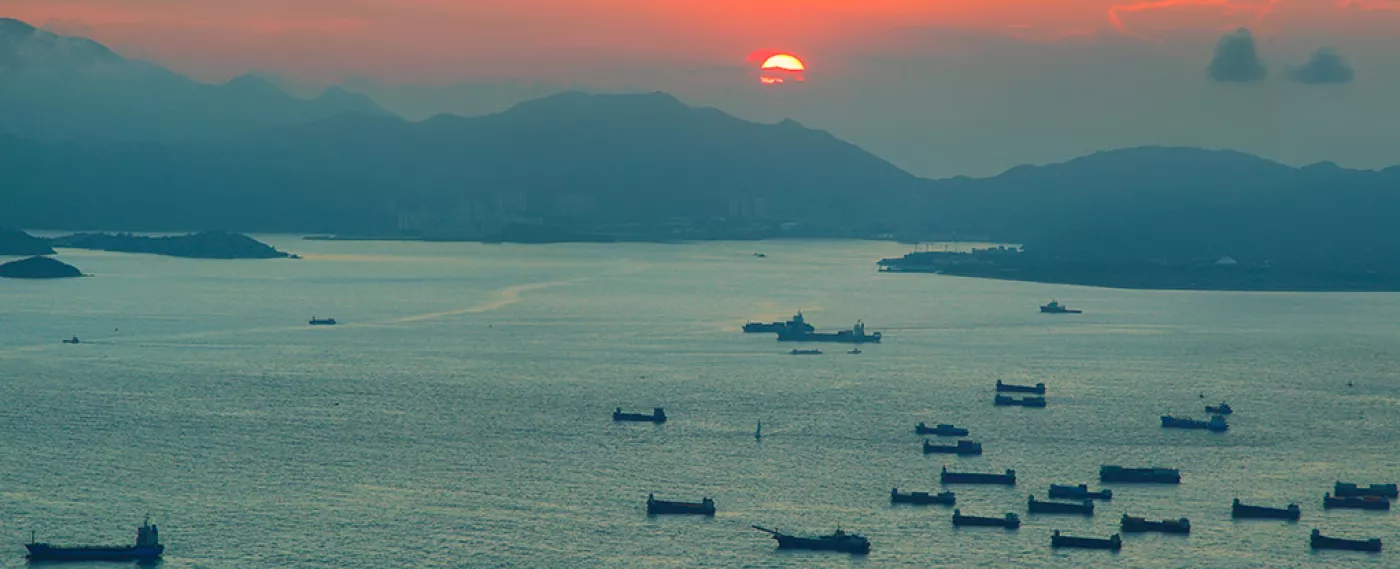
x=938, y=88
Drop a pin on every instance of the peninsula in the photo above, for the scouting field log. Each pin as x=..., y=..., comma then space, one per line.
x=18, y=243
x=38, y=268
x=206, y=245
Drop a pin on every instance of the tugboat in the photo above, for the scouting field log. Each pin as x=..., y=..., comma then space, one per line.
x=1113, y=543
x=705, y=507
x=1238, y=510
x=1008, y=479
x=856, y=335
x=1007, y=401
x=922, y=498
x=1056, y=308
x=1009, y=521
x=1222, y=409
x=1110, y=473
x=1349, y=489
x=1085, y=508
x=1216, y=424
x=147, y=548
x=805, y=353
x=796, y=323
x=1141, y=525
x=658, y=415
x=837, y=541
x=1320, y=541
x=1355, y=502
x=1038, y=389
x=942, y=430
x=73, y=340
x=322, y=321
x=963, y=448
x=1080, y=492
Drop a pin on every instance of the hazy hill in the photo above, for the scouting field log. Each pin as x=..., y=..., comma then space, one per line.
x=55, y=87
x=14, y=242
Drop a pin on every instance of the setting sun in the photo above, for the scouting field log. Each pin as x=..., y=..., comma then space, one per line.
x=785, y=62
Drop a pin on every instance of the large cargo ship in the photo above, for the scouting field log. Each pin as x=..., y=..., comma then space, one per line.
x=856, y=335
x=837, y=541
x=147, y=548
x=796, y=323
x=1112, y=473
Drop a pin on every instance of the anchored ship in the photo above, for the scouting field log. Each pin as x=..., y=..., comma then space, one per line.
x=1085, y=508
x=1009, y=521
x=1355, y=502
x=1222, y=409
x=1320, y=541
x=1038, y=389
x=1113, y=543
x=837, y=541
x=963, y=448
x=1140, y=525
x=856, y=335
x=147, y=548
x=658, y=415
x=1007, y=401
x=1349, y=489
x=922, y=498
x=1216, y=424
x=322, y=321
x=941, y=430
x=705, y=507
x=798, y=322
x=1056, y=308
x=1007, y=479
x=1239, y=510
x=1110, y=473
x=1080, y=492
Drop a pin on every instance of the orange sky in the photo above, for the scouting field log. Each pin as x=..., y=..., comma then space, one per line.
x=451, y=40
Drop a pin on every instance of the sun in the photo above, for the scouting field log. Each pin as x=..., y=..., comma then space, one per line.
x=784, y=62
x=779, y=68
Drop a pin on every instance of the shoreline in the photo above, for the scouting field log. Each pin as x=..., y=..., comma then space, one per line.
x=1225, y=285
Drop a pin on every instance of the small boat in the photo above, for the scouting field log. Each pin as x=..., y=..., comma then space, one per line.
x=1038, y=388
x=758, y=431
x=837, y=541
x=922, y=498
x=322, y=321
x=73, y=340
x=1349, y=489
x=1080, y=492
x=1320, y=541
x=1239, y=510
x=1085, y=508
x=806, y=352
x=1141, y=525
x=1355, y=502
x=761, y=255
x=942, y=430
x=1005, y=401
x=1009, y=521
x=1216, y=424
x=1007, y=479
x=147, y=548
x=1111, y=473
x=705, y=507
x=855, y=351
x=1222, y=409
x=1113, y=543
x=963, y=448
x=1056, y=308
x=658, y=415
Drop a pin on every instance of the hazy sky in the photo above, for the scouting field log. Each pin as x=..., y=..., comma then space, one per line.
x=940, y=87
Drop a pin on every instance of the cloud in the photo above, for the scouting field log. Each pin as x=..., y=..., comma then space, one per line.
x=1237, y=59
x=1326, y=67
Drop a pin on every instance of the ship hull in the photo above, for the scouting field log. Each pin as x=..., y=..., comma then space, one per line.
x=1083, y=509
x=1324, y=542
x=837, y=338
x=43, y=552
x=1038, y=389
x=1004, y=401
x=924, y=499
x=1140, y=476
x=792, y=542
x=975, y=478
x=953, y=432
x=1353, y=491
x=976, y=521
x=1265, y=513
x=679, y=509
x=1086, y=542
x=1136, y=525
x=1078, y=493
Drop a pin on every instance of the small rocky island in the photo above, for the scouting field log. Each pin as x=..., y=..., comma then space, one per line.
x=205, y=245
x=38, y=268
x=21, y=244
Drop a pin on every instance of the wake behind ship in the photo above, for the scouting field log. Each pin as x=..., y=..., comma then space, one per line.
x=147, y=548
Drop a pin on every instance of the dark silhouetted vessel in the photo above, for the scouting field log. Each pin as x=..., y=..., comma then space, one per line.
x=1320, y=541
x=940, y=430
x=1355, y=502
x=1056, y=308
x=1110, y=473
x=1140, y=525
x=1222, y=409
x=705, y=507
x=1038, y=388
x=1009, y=521
x=1349, y=489
x=322, y=321
x=1080, y=492
x=806, y=352
x=855, y=335
x=963, y=448
x=147, y=548
x=1238, y=510
x=1113, y=543
x=837, y=541
x=658, y=415
x=1085, y=508
x=1004, y=401
x=73, y=340
x=1007, y=479
x=1216, y=424
x=798, y=323
x=922, y=498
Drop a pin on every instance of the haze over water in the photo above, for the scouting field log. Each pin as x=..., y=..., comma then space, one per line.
x=459, y=414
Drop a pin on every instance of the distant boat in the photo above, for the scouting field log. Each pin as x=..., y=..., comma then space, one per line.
x=1320, y=541
x=1009, y=521
x=761, y=255
x=658, y=415
x=797, y=323
x=1222, y=409
x=1007, y=479
x=856, y=335
x=1239, y=510
x=322, y=321
x=1142, y=525
x=705, y=507
x=73, y=340
x=1080, y=492
x=922, y=498
x=758, y=431
x=854, y=351
x=837, y=541
x=805, y=352
x=942, y=430
x=1038, y=389
x=1084, y=508
x=1008, y=401
x=147, y=548
x=962, y=448
x=1382, y=490
x=1056, y=308
x=1113, y=543
x=1112, y=473
x=1355, y=502
x=1216, y=424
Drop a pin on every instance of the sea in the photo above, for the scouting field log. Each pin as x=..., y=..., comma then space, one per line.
x=459, y=414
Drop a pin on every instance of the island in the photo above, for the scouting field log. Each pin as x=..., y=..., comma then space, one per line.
x=20, y=244
x=205, y=245
x=38, y=268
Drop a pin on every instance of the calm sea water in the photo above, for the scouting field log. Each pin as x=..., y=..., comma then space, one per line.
x=458, y=416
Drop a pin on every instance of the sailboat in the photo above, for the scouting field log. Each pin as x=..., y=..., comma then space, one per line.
x=758, y=432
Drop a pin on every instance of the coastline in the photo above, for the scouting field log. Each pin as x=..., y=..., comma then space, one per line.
x=1134, y=278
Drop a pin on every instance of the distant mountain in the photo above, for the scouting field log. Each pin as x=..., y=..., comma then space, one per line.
x=570, y=159
x=55, y=87
x=14, y=242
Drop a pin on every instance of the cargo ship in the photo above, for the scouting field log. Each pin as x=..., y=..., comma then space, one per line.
x=1142, y=525
x=837, y=541
x=1110, y=473
x=856, y=335
x=798, y=322
x=322, y=321
x=1320, y=541
x=941, y=430
x=1349, y=489
x=1007, y=401
x=1080, y=492
x=963, y=448
x=1239, y=510
x=1355, y=502
x=705, y=507
x=1085, y=508
x=1009, y=521
x=1222, y=409
x=1007, y=479
x=1216, y=424
x=922, y=498
x=1056, y=308
x=658, y=415
x=147, y=548
x=1038, y=389
x=1113, y=543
